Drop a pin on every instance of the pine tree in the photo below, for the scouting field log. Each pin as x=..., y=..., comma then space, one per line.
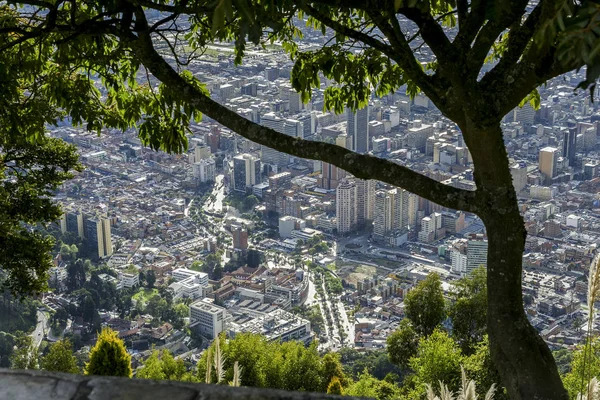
x=109, y=356
x=60, y=358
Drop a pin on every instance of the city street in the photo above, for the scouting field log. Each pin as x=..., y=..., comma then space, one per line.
x=42, y=326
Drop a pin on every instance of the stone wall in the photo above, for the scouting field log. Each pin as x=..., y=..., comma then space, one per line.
x=41, y=385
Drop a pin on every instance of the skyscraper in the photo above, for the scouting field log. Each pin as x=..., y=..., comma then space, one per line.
x=569, y=146
x=98, y=235
x=358, y=129
x=345, y=206
x=246, y=172
x=383, y=215
x=477, y=249
x=548, y=163
x=365, y=199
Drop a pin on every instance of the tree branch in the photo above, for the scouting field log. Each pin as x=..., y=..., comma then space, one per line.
x=361, y=166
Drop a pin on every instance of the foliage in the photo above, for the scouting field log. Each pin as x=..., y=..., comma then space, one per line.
x=162, y=365
x=402, y=344
x=438, y=359
x=30, y=171
x=150, y=279
x=17, y=315
x=313, y=315
x=75, y=275
x=425, y=305
x=25, y=355
x=375, y=361
x=467, y=390
x=368, y=386
x=109, y=356
x=480, y=367
x=468, y=309
x=81, y=60
x=564, y=358
x=60, y=358
x=335, y=387
x=288, y=365
x=7, y=343
x=582, y=367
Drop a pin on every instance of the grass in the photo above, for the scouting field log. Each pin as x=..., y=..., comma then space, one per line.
x=144, y=295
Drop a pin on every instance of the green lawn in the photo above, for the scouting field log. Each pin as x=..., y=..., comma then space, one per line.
x=144, y=295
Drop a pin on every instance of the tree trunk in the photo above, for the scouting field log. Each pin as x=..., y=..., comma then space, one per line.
x=523, y=359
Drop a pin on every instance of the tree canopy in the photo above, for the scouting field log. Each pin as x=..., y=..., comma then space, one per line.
x=60, y=358
x=123, y=64
x=109, y=356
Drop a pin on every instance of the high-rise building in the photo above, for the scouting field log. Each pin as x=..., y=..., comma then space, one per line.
x=343, y=140
x=401, y=206
x=246, y=172
x=569, y=146
x=294, y=99
x=201, y=153
x=290, y=127
x=429, y=227
x=330, y=176
x=365, y=199
x=358, y=129
x=294, y=128
x=519, y=175
x=548, y=163
x=72, y=221
x=383, y=215
x=390, y=215
x=98, y=235
x=477, y=249
x=345, y=206
x=204, y=170
x=240, y=238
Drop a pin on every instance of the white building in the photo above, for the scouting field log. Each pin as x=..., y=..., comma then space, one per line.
x=286, y=225
x=204, y=170
x=192, y=286
x=128, y=279
x=429, y=226
x=277, y=325
x=345, y=206
x=209, y=319
x=477, y=249
x=181, y=274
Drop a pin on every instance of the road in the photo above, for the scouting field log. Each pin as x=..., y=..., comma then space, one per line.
x=42, y=326
x=218, y=193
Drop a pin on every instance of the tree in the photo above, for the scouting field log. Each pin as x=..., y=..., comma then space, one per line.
x=332, y=369
x=468, y=310
x=25, y=355
x=438, y=360
x=425, y=306
x=160, y=366
x=60, y=358
x=109, y=356
x=150, y=279
x=250, y=202
x=335, y=387
x=31, y=169
x=75, y=275
x=72, y=43
x=583, y=367
x=402, y=344
x=481, y=369
x=368, y=386
x=88, y=309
